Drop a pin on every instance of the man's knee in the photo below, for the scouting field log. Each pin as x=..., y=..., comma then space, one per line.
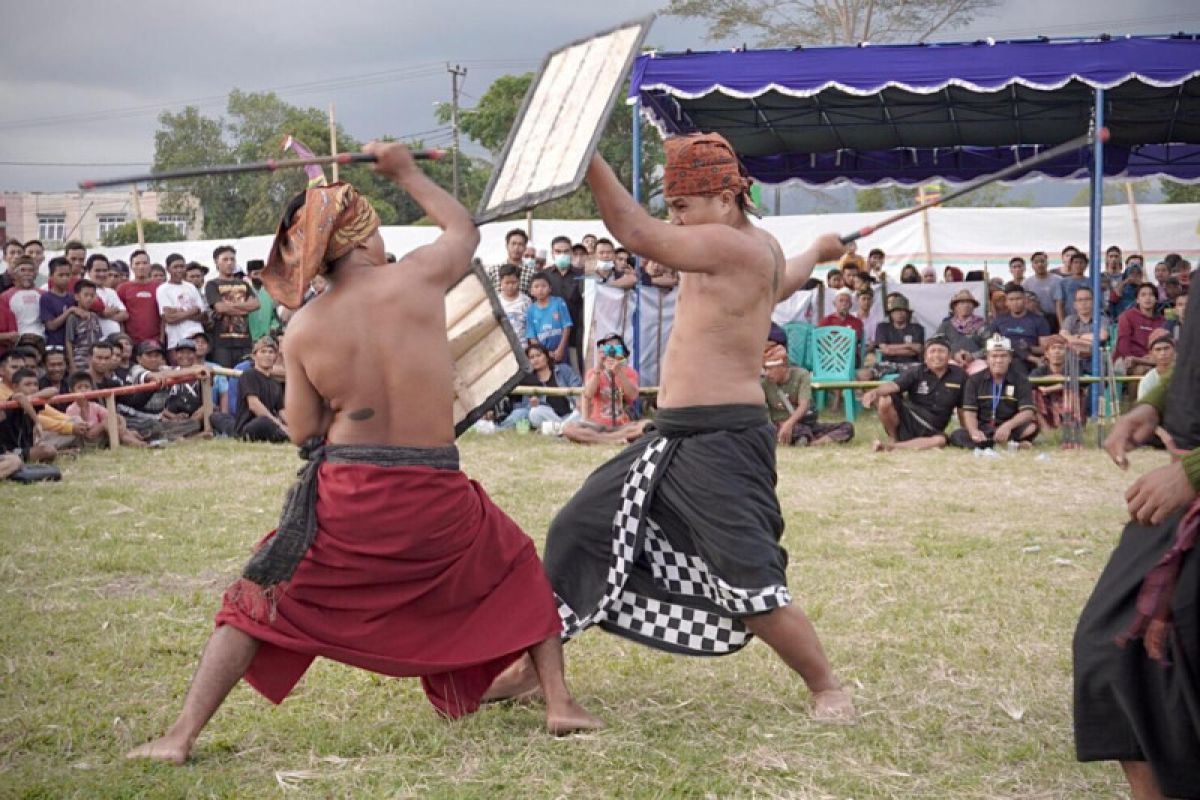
x=43, y=452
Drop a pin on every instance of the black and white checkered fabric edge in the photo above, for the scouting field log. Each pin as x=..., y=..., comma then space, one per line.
x=626, y=526
x=683, y=574
x=682, y=627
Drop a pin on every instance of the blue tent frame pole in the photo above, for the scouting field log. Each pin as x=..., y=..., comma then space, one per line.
x=1096, y=258
x=636, y=191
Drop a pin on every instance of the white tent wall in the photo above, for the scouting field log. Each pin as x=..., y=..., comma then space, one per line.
x=969, y=238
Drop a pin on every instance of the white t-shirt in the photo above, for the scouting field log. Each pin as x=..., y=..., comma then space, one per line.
x=516, y=311
x=26, y=307
x=110, y=300
x=183, y=296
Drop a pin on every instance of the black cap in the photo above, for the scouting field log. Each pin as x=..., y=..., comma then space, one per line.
x=1013, y=287
x=942, y=340
x=149, y=346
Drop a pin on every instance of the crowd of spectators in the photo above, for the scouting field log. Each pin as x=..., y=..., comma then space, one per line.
x=100, y=324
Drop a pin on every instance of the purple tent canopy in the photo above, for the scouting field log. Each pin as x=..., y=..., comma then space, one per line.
x=912, y=113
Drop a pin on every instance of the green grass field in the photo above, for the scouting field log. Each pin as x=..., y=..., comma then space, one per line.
x=945, y=588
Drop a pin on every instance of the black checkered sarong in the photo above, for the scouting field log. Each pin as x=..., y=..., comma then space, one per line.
x=674, y=540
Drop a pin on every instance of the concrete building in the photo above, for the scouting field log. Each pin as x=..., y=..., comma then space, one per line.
x=58, y=217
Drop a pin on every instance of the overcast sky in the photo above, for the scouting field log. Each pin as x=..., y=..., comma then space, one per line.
x=82, y=82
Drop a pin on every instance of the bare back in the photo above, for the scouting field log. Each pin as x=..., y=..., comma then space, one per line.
x=373, y=350
x=714, y=355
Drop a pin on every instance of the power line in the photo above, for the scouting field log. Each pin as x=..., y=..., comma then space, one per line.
x=75, y=163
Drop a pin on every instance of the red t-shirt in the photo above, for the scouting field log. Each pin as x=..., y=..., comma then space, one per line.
x=609, y=405
x=849, y=321
x=142, y=304
x=8, y=324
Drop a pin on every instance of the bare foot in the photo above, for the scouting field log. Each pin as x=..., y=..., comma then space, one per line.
x=569, y=717
x=833, y=705
x=881, y=447
x=174, y=750
x=518, y=683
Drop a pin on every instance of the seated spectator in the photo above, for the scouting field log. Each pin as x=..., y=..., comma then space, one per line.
x=222, y=420
x=850, y=275
x=545, y=412
x=1050, y=399
x=1173, y=288
x=841, y=317
x=122, y=353
x=869, y=314
x=1162, y=353
x=547, y=320
x=915, y=407
x=21, y=430
x=261, y=416
x=1174, y=318
x=514, y=302
x=1016, y=268
x=1123, y=294
x=952, y=275
x=964, y=329
x=997, y=403
x=788, y=391
x=610, y=391
x=95, y=416
x=909, y=274
x=851, y=258
x=834, y=279
x=1077, y=329
x=929, y=275
x=83, y=327
x=1133, y=332
x=1077, y=279
x=54, y=381
x=898, y=341
x=142, y=411
x=1025, y=331
x=183, y=414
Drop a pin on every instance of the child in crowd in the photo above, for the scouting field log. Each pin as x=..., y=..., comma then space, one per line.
x=547, y=320
x=514, y=302
x=95, y=415
x=83, y=326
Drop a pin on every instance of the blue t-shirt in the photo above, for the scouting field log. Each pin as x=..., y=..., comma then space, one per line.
x=1024, y=331
x=548, y=324
x=1066, y=290
x=50, y=305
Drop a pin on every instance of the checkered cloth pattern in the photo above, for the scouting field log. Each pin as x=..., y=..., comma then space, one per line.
x=682, y=627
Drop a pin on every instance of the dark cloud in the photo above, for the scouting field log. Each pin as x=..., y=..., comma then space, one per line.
x=89, y=61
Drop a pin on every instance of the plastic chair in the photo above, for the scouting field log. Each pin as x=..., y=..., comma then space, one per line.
x=800, y=343
x=833, y=351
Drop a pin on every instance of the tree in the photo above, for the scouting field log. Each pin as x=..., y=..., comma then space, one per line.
x=489, y=123
x=1114, y=193
x=883, y=198
x=786, y=23
x=1174, y=192
x=151, y=230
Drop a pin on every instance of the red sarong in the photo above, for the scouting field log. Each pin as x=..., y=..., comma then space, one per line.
x=413, y=572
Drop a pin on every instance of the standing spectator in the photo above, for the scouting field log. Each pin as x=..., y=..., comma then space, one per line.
x=898, y=341
x=1024, y=331
x=997, y=304
x=118, y=273
x=1064, y=269
x=997, y=403
x=262, y=321
x=1050, y=399
x=928, y=275
x=875, y=260
x=869, y=314
x=545, y=412
x=54, y=306
x=663, y=277
x=910, y=274
x=851, y=258
x=82, y=329
x=1016, y=269
x=140, y=298
x=834, y=280
x=1133, y=332
x=610, y=391
x=841, y=317
x=180, y=304
x=952, y=275
x=548, y=321
x=23, y=299
x=110, y=306
x=788, y=392
x=260, y=416
x=515, y=242
x=1174, y=324
x=610, y=271
x=1123, y=293
x=1162, y=353
x=1077, y=329
x=76, y=253
x=915, y=407
x=589, y=242
x=37, y=251
x=232, y=300
x=1076, y=278
x=13, y=250
x=850, y=277
x=964, y=330
x=195, y=275
x=1046, y=286
x=566, y=281
x=514, y=302
x=158, y=273
x=1112, y=260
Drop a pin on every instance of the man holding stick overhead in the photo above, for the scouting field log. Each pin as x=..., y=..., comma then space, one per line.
x=674, y=543
x=386, y=556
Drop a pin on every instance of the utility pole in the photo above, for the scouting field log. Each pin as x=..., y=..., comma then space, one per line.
x=456, y=72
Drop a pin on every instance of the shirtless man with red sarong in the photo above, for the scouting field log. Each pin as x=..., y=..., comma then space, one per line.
x=386, y=557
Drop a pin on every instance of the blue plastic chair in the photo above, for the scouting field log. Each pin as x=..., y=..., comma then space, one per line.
x=833, y=356
x=800, y=343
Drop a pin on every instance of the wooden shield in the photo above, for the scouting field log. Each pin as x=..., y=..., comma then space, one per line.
x=489, y=359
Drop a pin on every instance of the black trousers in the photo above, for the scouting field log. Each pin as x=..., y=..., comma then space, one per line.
x=262, y=429
x=228, y=355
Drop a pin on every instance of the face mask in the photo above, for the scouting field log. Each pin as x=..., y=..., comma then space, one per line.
x=562, y=260
x=605, y=265
x=530, y=262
